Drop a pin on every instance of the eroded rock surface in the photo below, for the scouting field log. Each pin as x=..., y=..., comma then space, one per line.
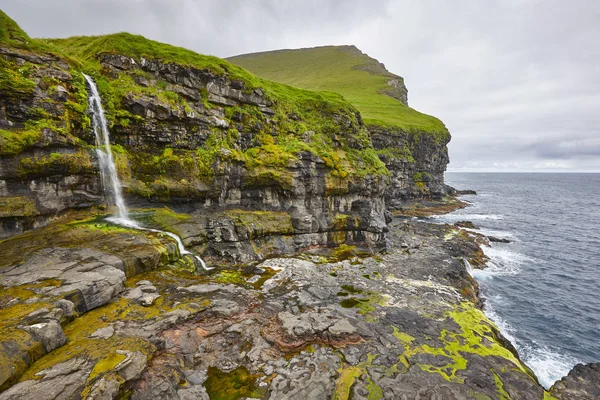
x=583, y=383
x=398, y=325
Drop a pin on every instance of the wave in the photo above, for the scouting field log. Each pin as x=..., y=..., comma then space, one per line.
x=502, y=262
x=548, y=365
x=468, y=217
x=494, y=232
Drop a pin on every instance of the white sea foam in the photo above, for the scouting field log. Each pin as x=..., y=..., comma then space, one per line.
x=503, y=262
x=494, y=232
x=467, y=217
x=548, y=365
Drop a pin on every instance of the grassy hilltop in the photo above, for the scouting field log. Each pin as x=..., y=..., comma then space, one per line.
x=361, y=79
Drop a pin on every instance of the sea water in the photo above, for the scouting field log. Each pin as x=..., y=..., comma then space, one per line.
x=542, y=288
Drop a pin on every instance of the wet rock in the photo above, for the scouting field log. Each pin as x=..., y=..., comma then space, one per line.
x=104, y=390
x=342, y=327
x=466, y=224
x=147, y=299
x=465, y=192
x=147, y=288
x=98, y=276
x=497, y=239
x=201, y=289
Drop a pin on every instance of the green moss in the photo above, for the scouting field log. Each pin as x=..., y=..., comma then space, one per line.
x=17, y=206
x=374, y=391
x=476, y=336
x=350, y=302
x=107, y=364
x=235, y=277
x=261, y=223
x=406, y=339
x=14, y=80
x=422, y=177
x=397, y=153
x=347, y=377
x=500, y=391
x=345, y=381
x=351, y=289
x=14, y=142
x=57, y=163
x=234, y=385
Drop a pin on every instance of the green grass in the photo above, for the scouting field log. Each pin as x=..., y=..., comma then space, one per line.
x=12, y=35
x=10, y=32
x=344, y=70
x=86, y=49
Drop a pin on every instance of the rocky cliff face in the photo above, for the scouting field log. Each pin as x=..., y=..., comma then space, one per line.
x=200, y=141
x=43, y=169
x=411, y=144
x=417, y=163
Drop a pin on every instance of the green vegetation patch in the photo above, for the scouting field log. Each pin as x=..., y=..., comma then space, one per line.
x=344, y=70
x=348, y=375
x=57, y=163
x=477, y=336
x=234, y=385
x=17, y=206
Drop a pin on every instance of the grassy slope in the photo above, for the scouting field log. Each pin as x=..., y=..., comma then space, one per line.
x=319, y=112
x=335, y=68
x=86, y=48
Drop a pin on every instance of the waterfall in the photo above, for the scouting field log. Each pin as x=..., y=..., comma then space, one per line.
x=108, y=170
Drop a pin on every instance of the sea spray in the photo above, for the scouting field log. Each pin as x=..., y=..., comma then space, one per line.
x=108, y=170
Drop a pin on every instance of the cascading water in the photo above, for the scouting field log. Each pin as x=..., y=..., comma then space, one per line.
x=108, y=170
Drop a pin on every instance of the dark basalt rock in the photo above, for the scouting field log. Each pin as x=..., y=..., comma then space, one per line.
x=465, y=192
x=582, y=383
x=497, y=240
x=281, y=330
x=466, y=224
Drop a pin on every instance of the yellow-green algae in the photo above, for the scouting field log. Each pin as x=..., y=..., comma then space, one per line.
x=234, y=385
x=347, y=377
x=103, y=351
x=500, y=391
x=476, y=336
x=17, y=206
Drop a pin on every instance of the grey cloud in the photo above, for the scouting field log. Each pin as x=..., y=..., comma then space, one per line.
x=517, y=82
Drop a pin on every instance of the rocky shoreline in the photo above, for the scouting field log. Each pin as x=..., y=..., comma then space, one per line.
x=104, y=312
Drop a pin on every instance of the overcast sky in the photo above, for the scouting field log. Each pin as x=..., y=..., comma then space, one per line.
x=517, y=82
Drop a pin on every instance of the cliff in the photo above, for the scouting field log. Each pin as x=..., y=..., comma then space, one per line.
x=191, y=131
x=412, y=144
x=243, y=170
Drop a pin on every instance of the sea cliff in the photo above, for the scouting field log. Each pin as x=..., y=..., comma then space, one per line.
x=317, y=290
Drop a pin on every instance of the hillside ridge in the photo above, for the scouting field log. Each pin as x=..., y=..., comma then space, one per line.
x=380, y=95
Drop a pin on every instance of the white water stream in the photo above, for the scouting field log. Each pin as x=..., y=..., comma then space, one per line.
x=108, y=171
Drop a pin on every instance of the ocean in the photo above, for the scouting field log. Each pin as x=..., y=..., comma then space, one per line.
x=543, y=288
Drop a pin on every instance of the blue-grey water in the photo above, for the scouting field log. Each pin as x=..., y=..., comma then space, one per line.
x=543, y=288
